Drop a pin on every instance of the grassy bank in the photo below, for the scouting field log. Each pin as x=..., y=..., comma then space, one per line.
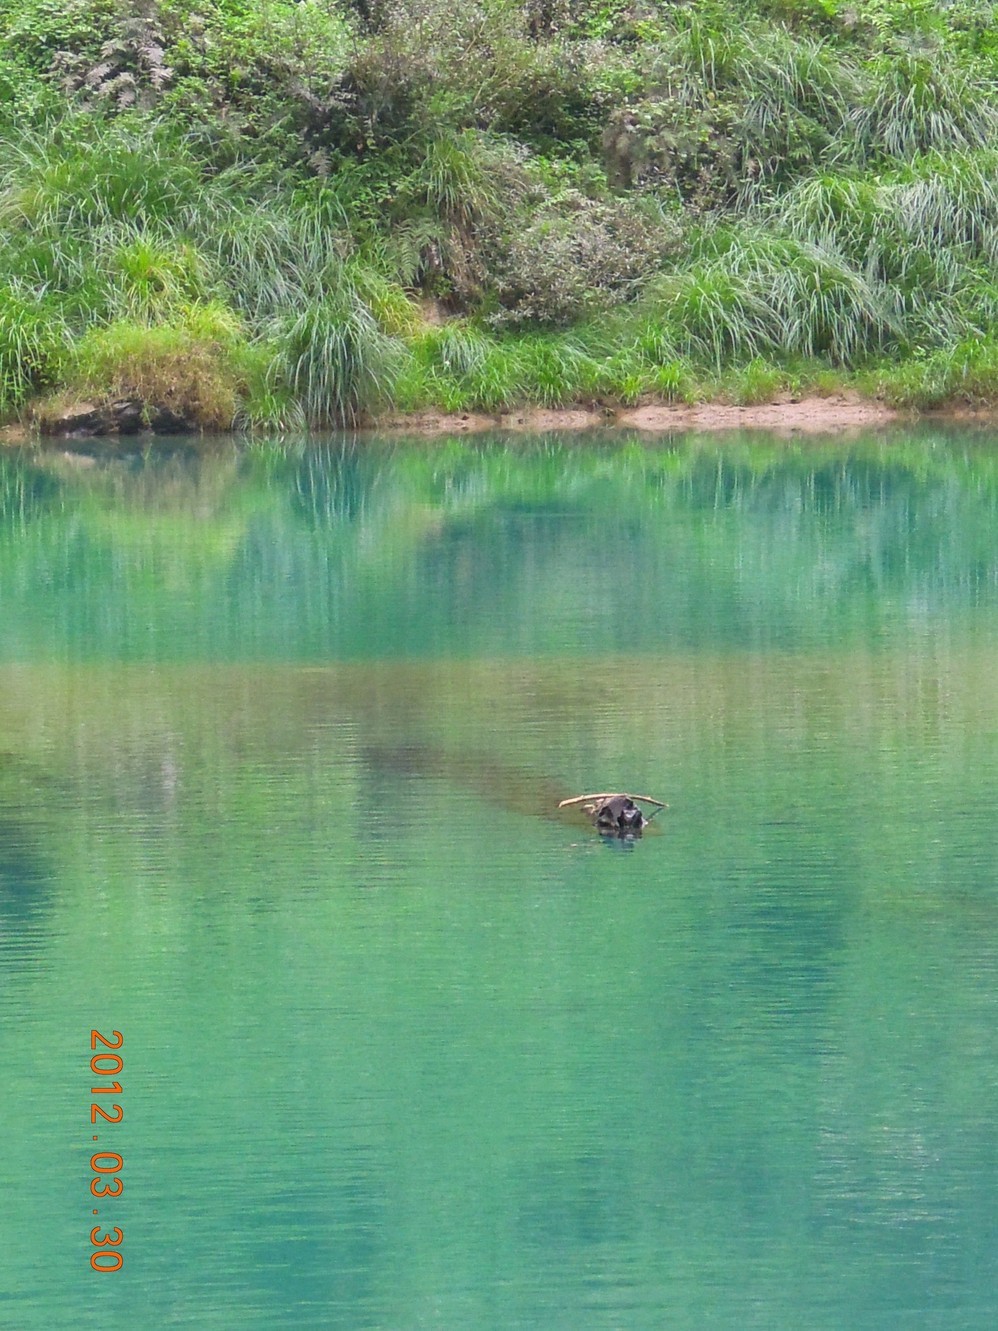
x=273, y=215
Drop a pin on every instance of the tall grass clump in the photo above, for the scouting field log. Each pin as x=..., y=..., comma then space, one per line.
x=441, y=357
x=456, y=180
x=752, y=292
x=150, y=276
x=924, y=234
x=965, y=372
x=33, y=341
x=818, y=302
x=84, y=171
x=923, y=101
x=554, y=370
x=796, y=93
x=444, y=208
x=948, y=200
x=734, y=109
x=336, y=360
x=276, y=254
x=757, y=382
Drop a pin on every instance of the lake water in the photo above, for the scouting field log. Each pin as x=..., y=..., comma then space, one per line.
x=282, y=733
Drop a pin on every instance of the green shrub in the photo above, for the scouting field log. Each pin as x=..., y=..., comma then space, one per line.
x=267, y=404
x=192, y=365
x=464, y=187
x=256, y=79
x=37, y=30
x=455, y=348
x=574, y=259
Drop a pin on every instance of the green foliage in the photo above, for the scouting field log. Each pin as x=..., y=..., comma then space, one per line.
x=921, y=102
x=576, y=257
x=965, y=373
x=336, y=360
x=32, y=341
x=758, y=381
x=924, y=235
x=738, y=109
x=753, y=292
x=35, y=31
x=84, y=172
x=255, y=78
x=675, y=382
x=554, y=371
x=190, y=364
x=463, y=188
x=454, y=348
x=616, y=201
x=154, y=277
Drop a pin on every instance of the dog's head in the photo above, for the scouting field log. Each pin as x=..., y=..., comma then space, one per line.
x=619, y=816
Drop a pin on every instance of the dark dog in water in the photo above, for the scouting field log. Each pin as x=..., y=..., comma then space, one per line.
x=615, y=814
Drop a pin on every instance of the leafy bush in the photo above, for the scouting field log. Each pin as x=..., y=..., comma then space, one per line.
x=258, y=79
x=577, y=256
x=464, y=188
x=35, y=31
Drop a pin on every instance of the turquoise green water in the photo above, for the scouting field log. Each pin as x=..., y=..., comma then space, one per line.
x=282, y=733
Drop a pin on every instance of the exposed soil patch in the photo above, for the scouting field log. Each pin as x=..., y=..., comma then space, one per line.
x=811, y=415
x=785, y=416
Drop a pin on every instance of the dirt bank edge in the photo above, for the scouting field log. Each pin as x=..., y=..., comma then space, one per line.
x=846, y=411
x=810, y=415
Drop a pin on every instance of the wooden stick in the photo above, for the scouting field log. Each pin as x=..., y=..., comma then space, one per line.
x=609, y=795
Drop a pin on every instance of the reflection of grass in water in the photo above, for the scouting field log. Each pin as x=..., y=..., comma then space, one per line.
x=490, y=469
x=27, y=490
x=367, y=548
x=167, y=516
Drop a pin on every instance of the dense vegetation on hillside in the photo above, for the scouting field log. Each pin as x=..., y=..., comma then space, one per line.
x=280, y=213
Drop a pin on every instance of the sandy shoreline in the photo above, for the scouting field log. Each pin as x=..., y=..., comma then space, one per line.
x=809, y=415
x=845, y=412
